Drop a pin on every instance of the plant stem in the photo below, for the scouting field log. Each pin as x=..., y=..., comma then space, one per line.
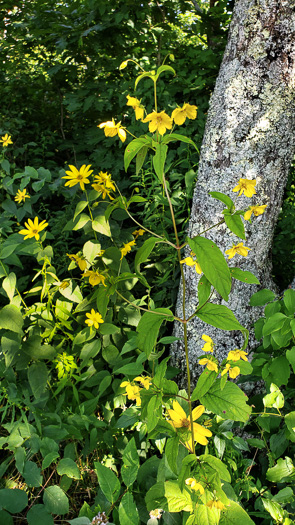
x=90, y=212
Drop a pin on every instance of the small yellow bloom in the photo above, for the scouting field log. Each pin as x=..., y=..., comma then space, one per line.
x=211, y=365
x=136, y=105
x=111, y=129
x=232, y=372
x=132, y=392
x=103, y=190
x=192, y=482
x=158, y=122
x=100, y=253
x=21, y=196
x=137, y=233
x=95, y=278
x=64, y=285
x=246, y=186
x=123, y=65
x=239, y=249
x=189, y=261
x=215, y=504
x=126, y=248
x=179, y=419
x=78, y=176
x=94, y=319
x=179, y=115
x=209, y=345
x=80, y=261
x=156, y=513
x=144, y=381
x=236, y=355
x=33, y=229
x=6, y=140
x=257, y=210
x=105, y=179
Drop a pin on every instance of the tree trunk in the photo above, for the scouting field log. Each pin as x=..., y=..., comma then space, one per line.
x=250, y=133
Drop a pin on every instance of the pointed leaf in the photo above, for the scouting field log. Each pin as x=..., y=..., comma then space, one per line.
x=108, y=482
x=243, y=275
x=219, y=316
x=9, y=284
x=149, y=326
x=174, y=137
x=223, y=198
x=55, y=500
x=229, y=403
x=128, y=513
x=235, y=224
x=159, y=159
x=133, y=149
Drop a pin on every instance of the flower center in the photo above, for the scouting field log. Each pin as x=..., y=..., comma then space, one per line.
x=80, y=177
x=185, y=423
x=35, y=231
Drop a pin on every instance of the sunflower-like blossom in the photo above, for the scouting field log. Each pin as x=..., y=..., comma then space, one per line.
x=33, y=228
x=127, y=248
x=132, y=392
x=6, y=140
x=137, y=106
x=94, y=319
x=76, y=176
x=158, y=122
x=189, y=261
x=246, y=186
x=138, y=233
x=210, y=364
x=179, y=419
x=239, y=249
x=111, y=129
x=233, y=372
x=194, y=485
x=179, y=115
x=209, y=345
x=144, y=381
x=80, y=261
x=21, y=196
x=95, y=278
x=105, y=179
x=236, y=355
x=100, y=188
x=256, y=210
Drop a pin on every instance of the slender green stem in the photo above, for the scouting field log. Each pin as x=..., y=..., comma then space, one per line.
x=155, y=95
x=144, y=309
x=90, y=212
x=204, y=231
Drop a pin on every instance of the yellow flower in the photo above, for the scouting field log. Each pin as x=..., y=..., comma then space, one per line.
x=257, y=210
x=6, y=140
x=192, y=482
x=105, y=179
x=126, y=248
x=111, y=129
x=158, y=122
x=179, y=419
x=209, y=345
x=211, y=365
x=95, y=278
x=100, y=253
x=144, y=381
x=103, y=190
x=136, y=105
x=179, y=115
x=238, y=248
x=232, y=372
x=94, y=319
x=33, y=229
x=21, y=196
x=80, y=261
x=156, y=513
x=123, y=65
x=132, y=392
x=215, y=504
x=189, y=261
x=64, y=285
x=236, y=355
x=78, y=176
x=137, y=233
x=246, y=186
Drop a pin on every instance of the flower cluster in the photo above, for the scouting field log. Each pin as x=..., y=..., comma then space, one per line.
x=194, y=485
x=133, y=391
x=189, y=261
x=102, y=183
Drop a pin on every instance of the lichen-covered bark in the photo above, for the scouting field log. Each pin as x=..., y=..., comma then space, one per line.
x=250, y=133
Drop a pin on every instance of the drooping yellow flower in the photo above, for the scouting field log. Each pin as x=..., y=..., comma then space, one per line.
x=64, y=285
x=209, y=345
x=127, y=248
x=111, y=129
x=236, y=355
x=94, y=319
x=105, y=179
x=239, y=249
x=189, y=261
x=6, y=140
x=179, y=419
x=137, y=233
x=144, y=381
x=132, y=392
x=21, y=196
x=33, y=229
x=232, y=372
x=257, y=210
x=136, y=105
x=179, y=115
x=80, y=261
x=211, y=365
x=158, y=122
x=95, y=278
x=215, y=504
x=103, y=190
x=192, y=482
x=246, y=186
x=78, y=176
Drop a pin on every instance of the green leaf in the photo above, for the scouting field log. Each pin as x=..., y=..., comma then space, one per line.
x=9, y=284
x=281, y=471
x=223, y=198
x=153, y=413
x=235, y=515
x=79, y=208
x=37, y=376
x=289, y=300
x=213, y=264
x=204, y=383
x=149, y=326
x=38, y=514
x=219, y=316
x=274, y=509
x=243, y=275
x=262, y=297
x=11, y=318
x=204, y=289
x=55, y=500
x=32, y=474
x=290, y=422
x=161, y=69
x=82, y=221
x=80, y=521
x=131, y=369
x=13, y=500
x=229, y=403
x=235, y=224
x=68, y=466
x=49, y=458
x=177, y=499
x=140, y=158
x=273, y=323
x=147, y=74
x=171, y=452
x=5, y=518
x=10, y=346
x=130, y=463
x=144, y=251
x=108, y=482
x=217, y=465
x=128, y=514
x=174, y=137
x=133, y=149
x=101, y=225
x=159, y=159
x=279, y=371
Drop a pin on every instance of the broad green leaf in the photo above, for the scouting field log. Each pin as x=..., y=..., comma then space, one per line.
x=274, y=509
x=155, y=498
x=13, y=500
x=140, y=158
x=32, y=474
x=219, y=316
x=91, y=250
x=153, y=414
x=281, y=471
x=101, y=225
x=217, y=465
x=279, y=371
x=235, y=515
x=171, y=452
x=177, y=499
x=290, y=422
x=37, y=376
x=290, y=355
x=204, y=383
x=235, y=224
x=273, y=323
x=49, y=458
x=9, y=284
x=229, y=403
x=159, y=159
x=10, y=345
x=55, y=500
x=223, y=198
x=174, y=137
x=6, y=518
x=83, y=520
x=38, y=514
x=262, y=297
x=82, y=221
x=131, y=369
x=108, y=482
x=147, y=74
x=161, y=69
x=79, y=208
x=130, y=463
x=128, y=513
x=11, y=318
x=289, y=300
x=213, y=264
x=133, y=148
x=68, y=466
x=243, y=275
x=286, y=495
x=149, y=326
x=144, y=251
x=204, y=290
